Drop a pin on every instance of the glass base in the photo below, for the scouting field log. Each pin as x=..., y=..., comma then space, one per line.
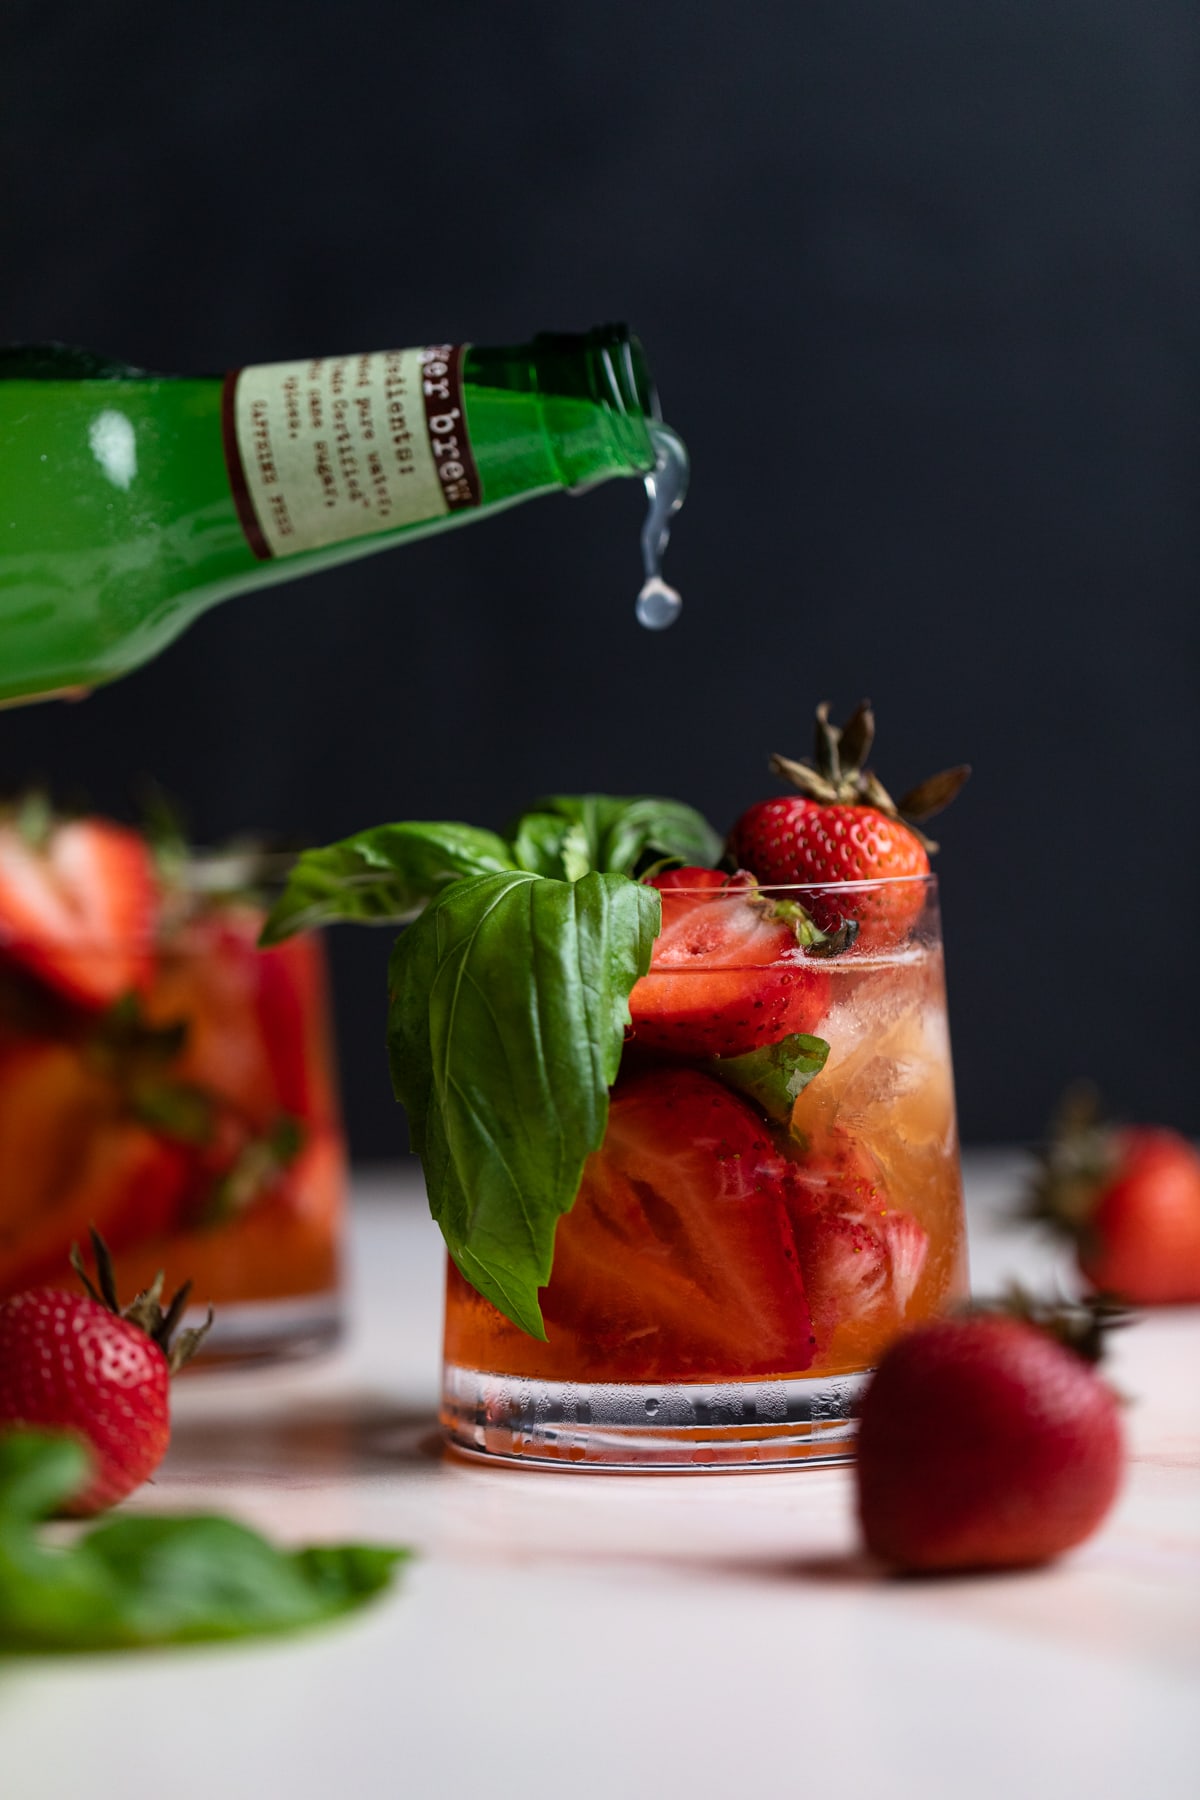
x=267, y=1331
x=693, y=1426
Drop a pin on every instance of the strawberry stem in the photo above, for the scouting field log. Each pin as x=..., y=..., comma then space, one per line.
x=145, y=1310
x=837, y=774
x=1079, y=1325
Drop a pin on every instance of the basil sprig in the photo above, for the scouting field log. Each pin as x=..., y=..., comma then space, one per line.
x=567, y=835
x=386, y=875
x=137, y=1580
x=509, y=1000
x=382, y=876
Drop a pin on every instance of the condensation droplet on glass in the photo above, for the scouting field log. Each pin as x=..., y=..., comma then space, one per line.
x=658, y=605
x=651, y=1408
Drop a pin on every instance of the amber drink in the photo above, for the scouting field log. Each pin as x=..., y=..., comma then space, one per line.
x=176, y=1092
x=760, y=1220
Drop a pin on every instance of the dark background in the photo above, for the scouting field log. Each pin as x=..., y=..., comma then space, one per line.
x=919, y=286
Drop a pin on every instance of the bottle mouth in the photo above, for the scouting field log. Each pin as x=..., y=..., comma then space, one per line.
x=615, y=363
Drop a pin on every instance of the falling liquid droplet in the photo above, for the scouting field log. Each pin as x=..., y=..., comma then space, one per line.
x=657, y=604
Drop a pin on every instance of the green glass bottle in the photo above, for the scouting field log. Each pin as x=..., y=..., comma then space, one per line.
x=131, y=502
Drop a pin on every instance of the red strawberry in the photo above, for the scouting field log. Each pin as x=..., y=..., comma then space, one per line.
x=78, y=904
x=987, y=1441
x=210, y=973
x=678, y=1259
x=862, y=1261
x=76, y=1363
x=727, y=972
x=1130, y=1199
x=292, y=1008
x=843, y=826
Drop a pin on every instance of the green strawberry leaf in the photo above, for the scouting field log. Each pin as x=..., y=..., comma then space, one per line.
x=138, y=1580
x=776, y=1074
x=509, y=1003
x=382, y=876
x=617, y=835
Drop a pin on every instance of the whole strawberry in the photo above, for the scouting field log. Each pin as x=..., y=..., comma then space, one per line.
x=843, y=826
x=75, y=1362
x=988, y=1441
x=1129, y=1198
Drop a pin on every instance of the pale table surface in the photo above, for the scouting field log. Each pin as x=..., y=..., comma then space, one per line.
x=588, y=1635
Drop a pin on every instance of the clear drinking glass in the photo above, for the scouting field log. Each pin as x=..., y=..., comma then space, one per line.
x=192, y=1119
x=732, y=1267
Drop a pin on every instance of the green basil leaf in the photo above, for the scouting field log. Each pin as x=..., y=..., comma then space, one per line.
x=776, y=1074
x=138, y=1580
x=509, y=1003
x=616, y=835
x=381, y=876
x=548, y=844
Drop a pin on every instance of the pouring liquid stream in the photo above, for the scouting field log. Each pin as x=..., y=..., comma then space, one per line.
x=658, y=604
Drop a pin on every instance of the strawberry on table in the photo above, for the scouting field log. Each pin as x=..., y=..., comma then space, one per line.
x=843, y=826
x=988, y=1441
x=77, y=1363
x=1129, y=1199
x=727, y=973
x=78, y=903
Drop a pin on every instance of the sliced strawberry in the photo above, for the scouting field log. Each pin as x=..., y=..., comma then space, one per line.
x=678, y=1260
x=727, y=974
x=292, y=1009
x=210, y=974
x=862, y=1260
x=284, y=1244
x=908, y=1251
x=78, y=906
x=70, y=1158
x=846, y=1268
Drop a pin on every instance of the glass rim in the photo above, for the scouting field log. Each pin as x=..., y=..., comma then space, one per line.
x=774, y=889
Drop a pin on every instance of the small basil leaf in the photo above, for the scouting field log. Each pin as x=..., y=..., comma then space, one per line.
x=177, y=1109
x=776, y=1074
x=382, y=876
x=186, y=1579
x=509, y=1003
x=621, y=834
x=39, y=1470
x=138, y=1580
x=548, y=844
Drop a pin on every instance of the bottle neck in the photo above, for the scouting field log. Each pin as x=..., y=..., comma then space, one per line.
x=594, y=393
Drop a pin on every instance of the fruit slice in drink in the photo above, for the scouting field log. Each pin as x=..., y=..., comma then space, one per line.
x=727, y=974
x=678, y=1261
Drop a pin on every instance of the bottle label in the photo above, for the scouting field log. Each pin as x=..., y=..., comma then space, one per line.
x=345, y=446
